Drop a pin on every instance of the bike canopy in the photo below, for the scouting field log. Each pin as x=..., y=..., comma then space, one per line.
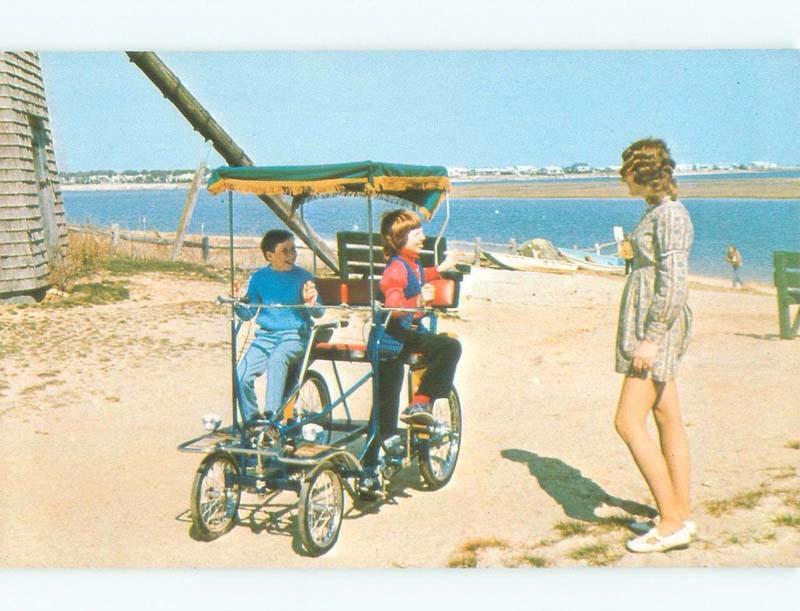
x=422, y=186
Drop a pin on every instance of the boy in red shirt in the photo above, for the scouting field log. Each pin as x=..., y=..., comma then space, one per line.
x=404, y=285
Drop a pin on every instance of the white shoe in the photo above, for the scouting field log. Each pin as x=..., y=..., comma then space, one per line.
x=644, y=527
x=654, y=541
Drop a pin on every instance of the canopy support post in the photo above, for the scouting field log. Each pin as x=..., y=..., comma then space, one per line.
x=234, y=376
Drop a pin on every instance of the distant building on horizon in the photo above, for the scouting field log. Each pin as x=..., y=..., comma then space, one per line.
x=33, y=234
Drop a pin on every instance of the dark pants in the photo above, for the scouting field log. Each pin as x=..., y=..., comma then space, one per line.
x=440, y=353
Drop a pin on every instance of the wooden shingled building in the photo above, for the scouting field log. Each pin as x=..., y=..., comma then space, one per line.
x=32, y=227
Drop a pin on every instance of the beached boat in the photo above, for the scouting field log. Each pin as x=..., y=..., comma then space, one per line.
x=590, y=260
x=529, y=264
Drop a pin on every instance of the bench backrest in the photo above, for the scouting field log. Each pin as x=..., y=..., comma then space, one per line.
x=787, y=269
x=355, y=292
x=353, y=250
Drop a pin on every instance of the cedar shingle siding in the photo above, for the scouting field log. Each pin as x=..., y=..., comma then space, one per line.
x=32, y=226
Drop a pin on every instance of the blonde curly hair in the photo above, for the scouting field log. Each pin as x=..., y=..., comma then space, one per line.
x=650, y=164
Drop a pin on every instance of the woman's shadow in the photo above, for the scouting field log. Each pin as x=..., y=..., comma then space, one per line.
x=578, y=495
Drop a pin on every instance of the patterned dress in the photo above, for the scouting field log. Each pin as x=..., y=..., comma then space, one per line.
x=653, y=304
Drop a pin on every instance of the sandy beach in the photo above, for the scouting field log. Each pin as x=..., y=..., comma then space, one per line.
x=95, y=399
x=592, y=188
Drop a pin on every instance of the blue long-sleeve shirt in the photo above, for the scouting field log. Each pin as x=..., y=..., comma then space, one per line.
x=270, y=287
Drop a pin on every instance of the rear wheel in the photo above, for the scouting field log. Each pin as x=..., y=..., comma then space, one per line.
x=439, y=454
x=320, y=510
x=312, y=398
x=215, y=495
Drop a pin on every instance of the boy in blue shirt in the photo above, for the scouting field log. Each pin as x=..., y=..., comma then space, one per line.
x=282, y=332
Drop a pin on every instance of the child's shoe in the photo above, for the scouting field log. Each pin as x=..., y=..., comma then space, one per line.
x=418, y=413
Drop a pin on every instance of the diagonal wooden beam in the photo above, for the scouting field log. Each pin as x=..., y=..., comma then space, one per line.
x=200, y=119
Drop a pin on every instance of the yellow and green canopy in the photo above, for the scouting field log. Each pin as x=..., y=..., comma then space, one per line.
x=423, y=186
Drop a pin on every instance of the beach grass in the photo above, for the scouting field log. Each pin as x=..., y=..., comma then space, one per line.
x=788, y=519
x=466, y=556
x=743, y=500
x=595, y=554
x=793, y=445
x=570, y=528
x=532, y=560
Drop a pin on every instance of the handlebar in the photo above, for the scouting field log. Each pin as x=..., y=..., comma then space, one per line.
x=223, y=299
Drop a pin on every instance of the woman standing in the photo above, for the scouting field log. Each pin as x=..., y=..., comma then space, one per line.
x=653, y=332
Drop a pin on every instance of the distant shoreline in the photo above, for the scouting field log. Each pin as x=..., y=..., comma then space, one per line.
x=590, y=188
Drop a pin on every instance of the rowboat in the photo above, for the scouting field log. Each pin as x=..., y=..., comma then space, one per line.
x=529, y=264
x=589, y=260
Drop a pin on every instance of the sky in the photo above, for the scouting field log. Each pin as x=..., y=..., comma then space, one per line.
x=456, y=108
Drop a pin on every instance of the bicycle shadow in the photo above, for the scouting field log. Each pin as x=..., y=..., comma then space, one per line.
x=579, y=496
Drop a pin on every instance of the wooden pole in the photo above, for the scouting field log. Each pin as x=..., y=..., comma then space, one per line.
x=188, y=209
x=200, y=119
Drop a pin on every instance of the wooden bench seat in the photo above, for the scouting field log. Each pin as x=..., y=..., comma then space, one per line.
x=353, y=248
x=355, y=292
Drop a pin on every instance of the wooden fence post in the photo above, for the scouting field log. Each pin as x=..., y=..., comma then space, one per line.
x=206, y=249
x=188, y=208
x=114, y=236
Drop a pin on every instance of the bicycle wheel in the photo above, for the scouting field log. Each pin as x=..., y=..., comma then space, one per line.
x=312, y=398
x=439, y=454
x=215, y=495
x=320, y=509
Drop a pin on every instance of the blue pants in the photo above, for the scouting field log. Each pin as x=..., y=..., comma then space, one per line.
x=273, y=352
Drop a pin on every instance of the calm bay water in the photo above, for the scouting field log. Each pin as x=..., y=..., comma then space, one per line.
x=757, y=227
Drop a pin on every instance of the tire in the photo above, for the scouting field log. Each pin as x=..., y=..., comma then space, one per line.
x=312, y=397
x=215, y=495
x=320, y=509
x=437, y=459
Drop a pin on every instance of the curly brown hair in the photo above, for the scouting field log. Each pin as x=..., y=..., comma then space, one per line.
x=395, y=227
x=651, y=165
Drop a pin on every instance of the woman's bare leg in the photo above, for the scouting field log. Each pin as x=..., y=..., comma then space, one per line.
x=674, y=445
x=636, y=399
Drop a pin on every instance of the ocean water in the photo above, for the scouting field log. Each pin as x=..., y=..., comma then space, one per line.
x=757, y=227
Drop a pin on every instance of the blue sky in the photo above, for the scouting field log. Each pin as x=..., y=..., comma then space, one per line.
x=467, y=108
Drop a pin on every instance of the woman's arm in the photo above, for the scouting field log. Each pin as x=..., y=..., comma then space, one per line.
x=671, y=242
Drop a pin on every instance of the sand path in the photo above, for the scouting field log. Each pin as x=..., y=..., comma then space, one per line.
x=94, y=401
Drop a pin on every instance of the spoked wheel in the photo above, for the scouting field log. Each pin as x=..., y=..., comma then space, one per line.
x=312, y=398
x=215, y=495
x=320, y=509
x=438, y=456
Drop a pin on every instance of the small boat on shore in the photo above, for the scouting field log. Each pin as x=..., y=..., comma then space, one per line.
x=592, y=261
x=529, y=264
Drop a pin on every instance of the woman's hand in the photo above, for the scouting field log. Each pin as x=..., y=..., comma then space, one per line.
x=310, y=293
x=449, y=261
x=645, y=355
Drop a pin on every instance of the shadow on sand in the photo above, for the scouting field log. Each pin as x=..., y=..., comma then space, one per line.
x=578, y=495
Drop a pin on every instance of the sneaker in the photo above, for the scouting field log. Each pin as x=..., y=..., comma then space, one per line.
x=417, y=413
x=371, y=485
x=654, y=541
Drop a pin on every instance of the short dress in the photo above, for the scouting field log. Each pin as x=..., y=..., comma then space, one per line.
x=653, y=304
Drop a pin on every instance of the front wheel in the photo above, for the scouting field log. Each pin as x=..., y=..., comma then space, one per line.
x=439, y=454
x=215, y=495
x=320, y=509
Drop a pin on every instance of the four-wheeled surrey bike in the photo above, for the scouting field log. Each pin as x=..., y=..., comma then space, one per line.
x=313, y=446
